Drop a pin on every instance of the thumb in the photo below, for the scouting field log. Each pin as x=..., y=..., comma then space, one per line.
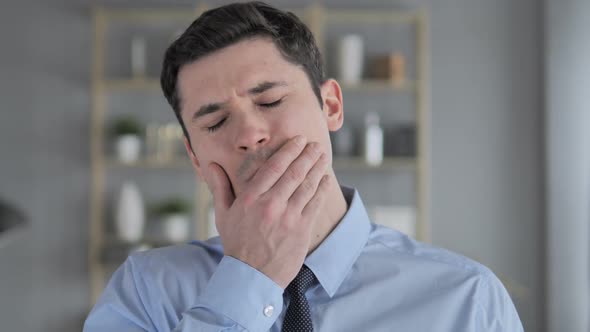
x=220, y=186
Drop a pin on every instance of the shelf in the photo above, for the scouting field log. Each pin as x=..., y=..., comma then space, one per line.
x=149, y=15
x=190, y=13
x=339, y=163
x=376, y=85
x=369, y=16
x=153, y=84
x=131, y=84
x=358, y=163
x=115, y=250
x=151, y=163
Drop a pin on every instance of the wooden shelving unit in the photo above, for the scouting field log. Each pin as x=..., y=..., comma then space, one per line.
x=317, y=17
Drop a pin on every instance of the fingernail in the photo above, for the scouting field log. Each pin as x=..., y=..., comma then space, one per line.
x=299, y=140
x=315, y=146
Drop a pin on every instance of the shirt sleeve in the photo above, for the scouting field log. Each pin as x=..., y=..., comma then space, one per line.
x=237, y=297
x=497, y=312
x=238, y=293
x=121, y=306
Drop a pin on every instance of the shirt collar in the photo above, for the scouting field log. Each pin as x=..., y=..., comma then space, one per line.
x=332, y=260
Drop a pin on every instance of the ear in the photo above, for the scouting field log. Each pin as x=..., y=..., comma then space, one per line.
x=333, y=106
x=193, y=158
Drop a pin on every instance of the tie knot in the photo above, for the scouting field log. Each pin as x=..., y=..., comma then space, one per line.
x=302, y=281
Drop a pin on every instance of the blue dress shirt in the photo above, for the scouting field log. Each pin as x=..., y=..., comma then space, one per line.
x=370, y=278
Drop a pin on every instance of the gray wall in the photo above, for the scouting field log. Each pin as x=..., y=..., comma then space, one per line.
x=486, y=149
x=44, y=165
x=487, y=164
x=568, y=160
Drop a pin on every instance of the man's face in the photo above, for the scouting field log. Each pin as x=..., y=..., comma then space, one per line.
x=243, y=102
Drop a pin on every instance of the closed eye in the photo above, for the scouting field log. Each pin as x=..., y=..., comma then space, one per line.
x=273, y=104
x=216, y=126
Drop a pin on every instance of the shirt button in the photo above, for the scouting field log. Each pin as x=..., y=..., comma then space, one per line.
x=268, y=310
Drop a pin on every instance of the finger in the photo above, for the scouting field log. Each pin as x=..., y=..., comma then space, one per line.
x=220, y=186
x=307, y=188
x=314, y=206
x=275, y=166
x=296, y=173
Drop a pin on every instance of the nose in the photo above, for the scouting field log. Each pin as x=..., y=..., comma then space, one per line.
x=252, y=134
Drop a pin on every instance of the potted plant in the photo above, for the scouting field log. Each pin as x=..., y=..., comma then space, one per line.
x=127, y=133
x=173, y=218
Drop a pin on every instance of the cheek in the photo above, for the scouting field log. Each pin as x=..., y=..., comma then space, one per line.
x=209, y=151
x=300, y=118
x=310, y=123
x=205, y=155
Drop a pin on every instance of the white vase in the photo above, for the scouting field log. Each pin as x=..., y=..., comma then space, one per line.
x=128, y=148
x=373, y=147
x=175, y=227
x=350, y=59
x=130, y=215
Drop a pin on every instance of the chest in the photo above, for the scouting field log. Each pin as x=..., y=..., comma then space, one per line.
x=393, y=305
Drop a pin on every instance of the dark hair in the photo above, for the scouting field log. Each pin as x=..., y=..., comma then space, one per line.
x=223, y=26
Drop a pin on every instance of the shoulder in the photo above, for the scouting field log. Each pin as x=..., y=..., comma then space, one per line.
x=446, y=270
x=396, y=244
x=443, y=269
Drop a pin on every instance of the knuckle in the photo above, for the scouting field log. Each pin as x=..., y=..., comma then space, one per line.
x=274, y=166
x=270, y=209
x=307, y=186
x=305, y=222
x=248, y=199
x=295, y=173
x=285, y=227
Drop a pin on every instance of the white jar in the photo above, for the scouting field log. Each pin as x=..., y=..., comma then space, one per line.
x=350, y=59
x=128, y=148
x=175, y=227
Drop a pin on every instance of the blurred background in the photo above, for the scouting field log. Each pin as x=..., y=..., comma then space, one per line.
x=467, y=125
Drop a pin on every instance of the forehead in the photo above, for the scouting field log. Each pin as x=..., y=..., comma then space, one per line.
x=234, y=70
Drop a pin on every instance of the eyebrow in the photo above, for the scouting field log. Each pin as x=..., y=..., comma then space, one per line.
x=260, y=88
x=206, y=109
x=214, y=107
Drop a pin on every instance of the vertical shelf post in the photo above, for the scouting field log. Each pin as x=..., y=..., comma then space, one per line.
x=96, y=228
x=423, y=230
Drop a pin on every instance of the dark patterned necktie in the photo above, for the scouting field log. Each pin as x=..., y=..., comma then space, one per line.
x=298, y=316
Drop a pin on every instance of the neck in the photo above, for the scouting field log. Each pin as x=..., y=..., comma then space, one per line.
x=334, y=209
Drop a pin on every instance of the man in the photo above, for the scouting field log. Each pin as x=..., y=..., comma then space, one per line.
x=296, y=251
